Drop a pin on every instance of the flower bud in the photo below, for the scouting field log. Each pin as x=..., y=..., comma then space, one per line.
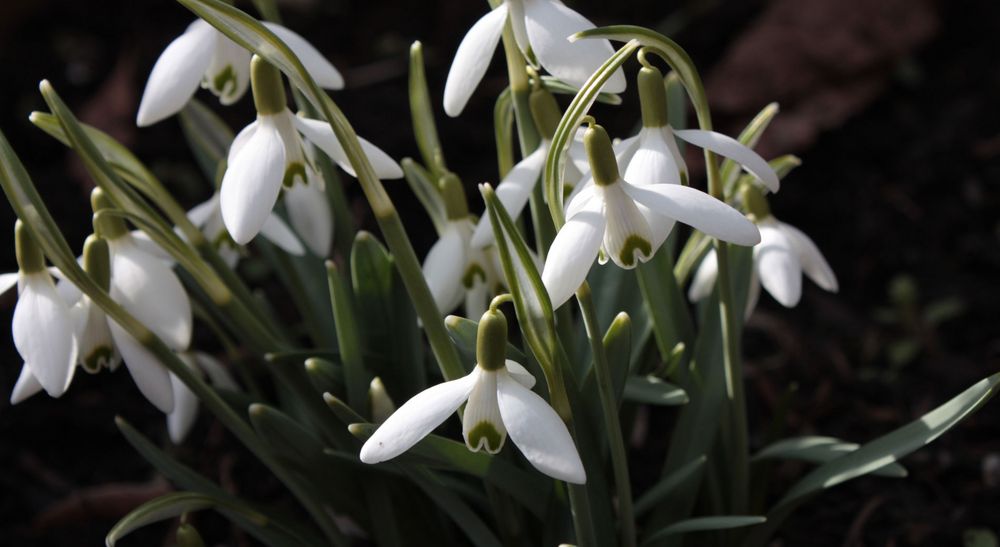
x=188, y=536
x=97, y=261
x=381, y=405
x=454, y=197
x=105, y=226
x=29, y=256
x=268, y=89
x=755, y=202
x=491, y=340
x=652, y=97
x=601, y=154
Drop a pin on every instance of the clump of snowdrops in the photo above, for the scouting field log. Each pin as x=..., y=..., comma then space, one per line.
x=547, y=356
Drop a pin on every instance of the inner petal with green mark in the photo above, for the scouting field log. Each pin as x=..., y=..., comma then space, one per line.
x=294, y=170
x=224, y=83
x=473, y=271
x=100, y=357
x=482, y=425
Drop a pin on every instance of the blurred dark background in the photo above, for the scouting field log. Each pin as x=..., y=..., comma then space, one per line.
x=890, y=103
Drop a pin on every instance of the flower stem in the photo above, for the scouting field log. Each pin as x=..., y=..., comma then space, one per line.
x=609, y=407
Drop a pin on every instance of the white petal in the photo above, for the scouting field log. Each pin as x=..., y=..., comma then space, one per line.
x=7, y=281
x=277, y=232
x=704, y=277
x=310, y=215
x=252, y=182
x=201, y=213
x=149, y=290
x=150, y=376
x=472, y=59
x=579, y=200
x=538, y=432
x=96, y=348
x=778, y=266
x=513, y=192
x=416, y=419
x=573, y=252
x=444, y=266
x=731, y=148
x=549, y=25
x=482, y=426
x=812, y=261
x=44, y=333
x=520, y=374
x=241, y=139
x=228, y=75
x=176, y=74
x=26, y=385
x=653, y=162
x=185, y=412
x=321, y=134
x=151, y=247
x=517, y=26
x=325, y=74
x=698, y=209
x=627, y=237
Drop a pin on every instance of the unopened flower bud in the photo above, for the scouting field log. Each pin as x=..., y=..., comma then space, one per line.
x=382, y=406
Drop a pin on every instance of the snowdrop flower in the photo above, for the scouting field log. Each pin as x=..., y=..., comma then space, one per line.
x=206, y=56
x=783, y=255
x=500, y=402
x=454, y=269
x=653, y=157
x=541, y=27
x=515, y=189
x=605, y=219
x=208, y=217
x=269, y=154
x=182, y=418
x=146, y=287
x=43, y=328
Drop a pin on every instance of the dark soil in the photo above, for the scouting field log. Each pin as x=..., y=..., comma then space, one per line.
x=901, y=193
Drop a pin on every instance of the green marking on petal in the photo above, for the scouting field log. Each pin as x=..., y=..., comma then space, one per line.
x=223, y=83
x=99, y=358
x=485, y=435
x=469, y=277
x=632, y=244
x=292, y=171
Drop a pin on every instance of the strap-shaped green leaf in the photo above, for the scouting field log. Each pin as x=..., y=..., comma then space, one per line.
x=172, y=505
x=820, y=450
x=654, y=391
x=667, y=484
x=386, y=320
x=704, y=524
x=424, y=127
x=207, y=136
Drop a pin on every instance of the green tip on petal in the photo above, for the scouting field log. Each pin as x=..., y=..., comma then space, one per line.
x=484, y=435
x=634, y=244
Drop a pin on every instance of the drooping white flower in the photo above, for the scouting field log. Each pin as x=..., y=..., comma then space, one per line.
x=779, y=260
x=541, y=27
x=604, y=219
x=270, y=154
x=43, y=328
x=458, y=271
x=203, y=55
x=208, y=216
x=515, y=188
x=149, y=290
x=500, y=403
